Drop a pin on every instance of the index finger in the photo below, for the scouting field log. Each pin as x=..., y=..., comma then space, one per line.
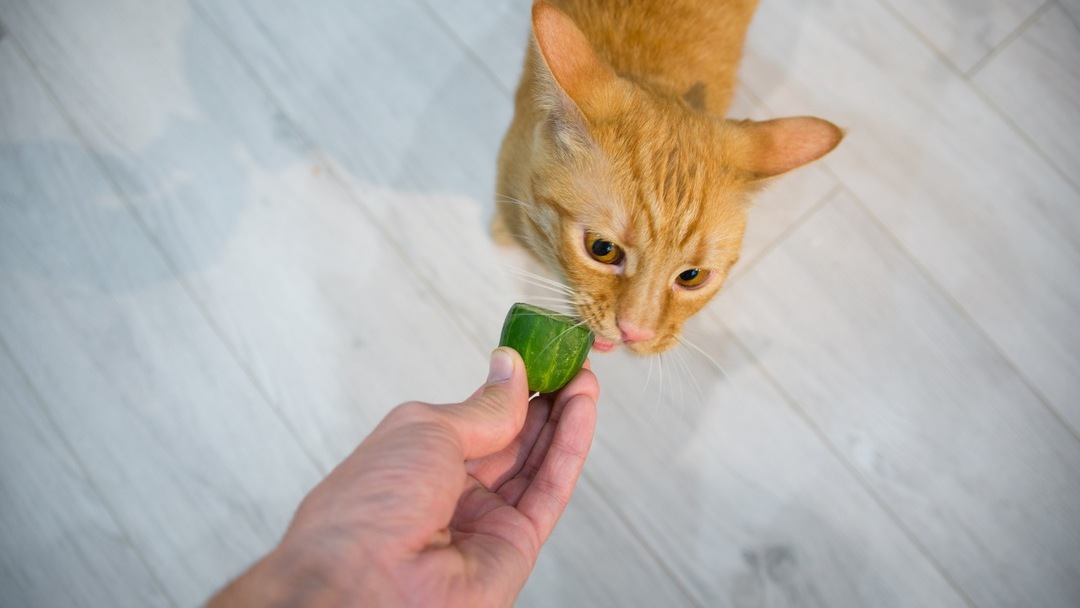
x=547, y=494
x=527, y=450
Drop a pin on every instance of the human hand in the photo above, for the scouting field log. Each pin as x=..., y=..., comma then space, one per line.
x=440, y=506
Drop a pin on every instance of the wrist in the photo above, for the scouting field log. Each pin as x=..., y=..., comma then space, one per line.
x=288, y=577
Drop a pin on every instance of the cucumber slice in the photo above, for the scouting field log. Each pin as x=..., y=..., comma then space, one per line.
x=553, y=346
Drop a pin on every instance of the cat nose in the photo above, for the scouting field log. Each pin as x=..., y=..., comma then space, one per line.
x=633, y=333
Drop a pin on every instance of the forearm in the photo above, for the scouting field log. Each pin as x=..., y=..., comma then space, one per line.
x=292, y=578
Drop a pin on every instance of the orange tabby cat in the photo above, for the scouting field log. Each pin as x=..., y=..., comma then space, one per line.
x=619, y=171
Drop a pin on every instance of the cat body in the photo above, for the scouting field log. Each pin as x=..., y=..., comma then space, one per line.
x=619, y=170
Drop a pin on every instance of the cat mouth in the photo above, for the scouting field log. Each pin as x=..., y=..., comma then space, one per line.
x=650, y=347
x=603, y=346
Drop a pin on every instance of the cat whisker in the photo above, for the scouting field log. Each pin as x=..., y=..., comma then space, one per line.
x=547, y=287
x=687, y=343
x=645, y=388
x=511, y=200
x=734, y=387
x=693, y=378
x=679, y=391
x=555, y=299
x=542, y=281
x=551, y=290
x=522, y=271
x=534, y=243
x=559, y=305
x=554, y=340
x=550, y=285
x=529, y=241
x=660, y=393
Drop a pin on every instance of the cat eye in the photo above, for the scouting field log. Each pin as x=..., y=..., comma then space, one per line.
x=603, y=251
x=693, y=278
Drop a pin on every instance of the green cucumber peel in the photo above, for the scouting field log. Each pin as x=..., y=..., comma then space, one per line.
x=552, y=345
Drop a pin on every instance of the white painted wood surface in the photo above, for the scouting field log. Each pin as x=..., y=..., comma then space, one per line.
x=975, y=204
x=1036, y=83
x=966, y=32
x=233, y=234
x=62, y=545
x=921, y=405
x=126, y=368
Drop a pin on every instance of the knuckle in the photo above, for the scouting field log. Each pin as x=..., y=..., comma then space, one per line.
x=413, y=412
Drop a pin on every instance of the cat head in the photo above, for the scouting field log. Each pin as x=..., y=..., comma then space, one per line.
x=638, y=200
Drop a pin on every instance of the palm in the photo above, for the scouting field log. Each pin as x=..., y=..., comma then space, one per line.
x=511, y=502
x=439, y=506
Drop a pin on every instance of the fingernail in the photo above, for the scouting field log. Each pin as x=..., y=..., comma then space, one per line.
x=502, y=367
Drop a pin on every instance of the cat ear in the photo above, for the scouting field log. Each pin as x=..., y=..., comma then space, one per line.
x=773, y=147
x=569, y=56
x=575, y=82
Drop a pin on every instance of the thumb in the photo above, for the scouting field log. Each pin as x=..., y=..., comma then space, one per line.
x=489, y=420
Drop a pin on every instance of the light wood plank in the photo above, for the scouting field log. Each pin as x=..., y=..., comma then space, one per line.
x=282, y=256
x=965, y=31
x=415, y=129
x=966, y=195
x=496, y=31
x=741, y=497
x=59, y=545
x=1036, y=83
x=594, y=559
x=200, y=474
x=921, y=405
x=1072, y=7
x=782, y=204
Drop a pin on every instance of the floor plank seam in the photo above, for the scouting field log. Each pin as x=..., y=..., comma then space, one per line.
x=641, y=540
x=335, y=173
x=910, y=256
x=69, y=448
x=837, y=188
x=1072, y=180
x=465, y=48
x=955, y=303
x=1068, y=15
x=157, y=246
x=842, y=459
x=1006, y=42
x=914, y=30
x=973, y=73
x=787, y=232
x=969, y=76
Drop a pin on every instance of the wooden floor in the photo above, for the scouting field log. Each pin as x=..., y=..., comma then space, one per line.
x=234, y=234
